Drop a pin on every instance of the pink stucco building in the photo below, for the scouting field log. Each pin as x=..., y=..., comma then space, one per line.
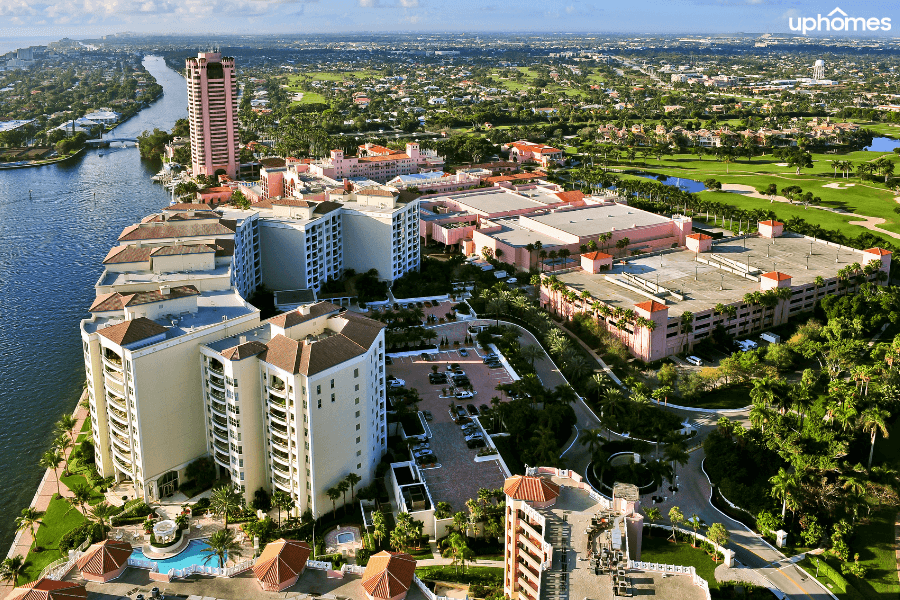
x=212, y=114
x=525, y=151
x=377, y=165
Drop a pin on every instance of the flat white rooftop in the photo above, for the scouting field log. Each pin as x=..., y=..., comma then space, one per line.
x=591, y=220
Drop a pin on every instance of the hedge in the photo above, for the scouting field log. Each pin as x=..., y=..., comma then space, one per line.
x=76, y=537
x=486, y=576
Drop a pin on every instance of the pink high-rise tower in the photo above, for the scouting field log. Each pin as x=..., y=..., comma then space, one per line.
x=212, y=112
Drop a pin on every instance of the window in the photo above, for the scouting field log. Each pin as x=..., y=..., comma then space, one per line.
x=357, y=414
x=359, y=452
x=357, y=400
x=332, y=384
x=359, y=465
x=356, y=389
x=357, y=440
x=356, y=372
x=320, y=403
x=318, y=389
x=332, y=397
x=357, y=426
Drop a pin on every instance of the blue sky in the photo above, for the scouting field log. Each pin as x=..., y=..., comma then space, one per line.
x=83, y=18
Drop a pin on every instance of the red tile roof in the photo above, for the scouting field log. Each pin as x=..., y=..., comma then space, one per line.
x=295, y=317
x=700, y=236
x=776, y=276
x=596, y=255
x=400, y=156
x=242, y=351
x=281, y=561
x=290, y=202
x=127, y=254
x=530, y=488
x=132, y=331
x=388, y=574
x=188, y=206
x=651, y=306
x=878, y=251
x=181, y=249
x=117, y=301
x=105, y=557
x=48, y=589
x=572, y=196
x=771, y=223
x=158, y=231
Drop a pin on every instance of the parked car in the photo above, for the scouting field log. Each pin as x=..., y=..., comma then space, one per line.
x=425, y=356
x=464, y=420
x=693, y=360
x=474, y=436
x=483, y=408
x=494, y=364
x=420, y=447
x=427, y=414
x=428, y=459
x=489, y=357
x=463, y=352
x=472, y=410
x=469, y=428
x=437, y=378
x=461, y=411
x=421, y=453
x=512, y=280
x=461, y=381
x=464, y=395
x=388, y=360
x=459, y=373
x=396, y=383
x=476, y=443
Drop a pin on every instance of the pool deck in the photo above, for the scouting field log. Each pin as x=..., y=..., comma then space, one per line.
x=312, y=584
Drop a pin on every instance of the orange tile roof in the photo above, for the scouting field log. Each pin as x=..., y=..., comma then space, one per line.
x=530, y=488
x=651, y=306
x=771, y=223
x=596, y=255
x=104, y=557
x=776, y=276
x=281, y=561
x=572, y=196
x=388, y=574
x=700, y=236
x=878, y=251
x=399, y=156
x=132, y=331
x=48, y=589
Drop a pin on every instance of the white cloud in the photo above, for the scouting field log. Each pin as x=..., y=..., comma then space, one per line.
x=129, y=11
x=409, y=3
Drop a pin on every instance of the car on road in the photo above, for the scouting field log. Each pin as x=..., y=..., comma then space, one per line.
x=464, y=395
x=427, y=414
x=693, y=360
x=463, y=352
x=472, y=410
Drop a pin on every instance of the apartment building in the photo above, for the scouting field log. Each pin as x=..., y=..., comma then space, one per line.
x=212, y=114
x=761, y=281
x=298, y=402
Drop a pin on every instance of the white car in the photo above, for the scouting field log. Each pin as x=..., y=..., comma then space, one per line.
x=512, y=280
x=694, y=361
x=464, y=395
x=395, y=383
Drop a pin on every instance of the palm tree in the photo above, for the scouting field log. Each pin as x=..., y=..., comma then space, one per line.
x=103, y=512
x=352, y=479
x=51, y=459
x=676, y=454
x=82, y=494
x=458, y=549
x=460, y=522
x=592, y=438
x=221, y=545
x=342, y=487
x=333, y=495
x=783, y=484
x=282, y=501
x=29, y=518
x=224, y=500
x=872, y=421
x=11, y=568
x=66, y=425
x=496, y=306
x=62, y=444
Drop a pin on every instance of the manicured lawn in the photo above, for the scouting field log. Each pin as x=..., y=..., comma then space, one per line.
x=312, y=98
x=809, y=566
x=482, y=575
x=73, y=480
x=732, y=397
x=874, y=541
x=657, y=549
x=60, y=518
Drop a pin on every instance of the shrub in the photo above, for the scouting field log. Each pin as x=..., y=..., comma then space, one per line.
x=485, y=576
x=261, y=500
x=87, y=451
x=362, y=556
x=75, y=537
x=202, y=471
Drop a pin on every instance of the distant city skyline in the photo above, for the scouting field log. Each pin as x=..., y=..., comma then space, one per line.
x=104, y=17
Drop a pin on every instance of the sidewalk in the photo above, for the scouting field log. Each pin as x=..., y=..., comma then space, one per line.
x=46, y=490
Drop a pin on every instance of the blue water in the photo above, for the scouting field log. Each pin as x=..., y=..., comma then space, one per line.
x=191, y=555
x=58, y=222
x=883, y=144
x=345, y=538
x=689, y=185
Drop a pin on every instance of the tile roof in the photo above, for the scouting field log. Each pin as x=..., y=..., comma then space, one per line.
x=188, y=206
x=878, y=251
x=48, y=589
x=281, y=561
x=290, y=202
x=700, y=236
x=272, y=163
x=323, y=208
x=167, y=229
x=530, y=488
x=105, y=557
x=388, y=574
x=127, y=254
x=284, y=353
x=771, y=223
x=596, y=255
x=391, y=157
x=572, y=196
x=132, y=331
x=651, y=306
x=180, y=249
x=118, y=301
x=375, y=192
x=776, y=276
x=295, y=317
x=242, y=351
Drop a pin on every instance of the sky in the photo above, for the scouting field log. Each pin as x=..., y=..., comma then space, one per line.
x=87, y=18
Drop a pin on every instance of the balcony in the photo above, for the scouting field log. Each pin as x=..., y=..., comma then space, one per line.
x=216, y=367
x=119, y=427
x=282, y=483
x=221, y=422
x=118, y=403
x=217, y=382
x=219, y=408
x=118, y=416
x=122, y=465
x=221, y=447
x=220, y=434
x=223, y=459
x=114, y=377
x=281, y=432
x=124, y=457
x=122, y=444
x=277, y=443
x=281, y=458
x=530, y=573
x=277, y=391
x=529, y=587
x=534, y=531
x=217, y=395
x=526, y=556
x=276, y=401
x=113, y=360
x=530, y=546
x=278, y=417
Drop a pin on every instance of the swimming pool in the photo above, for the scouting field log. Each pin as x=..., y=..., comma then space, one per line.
x=345, y=538
x=191, y=555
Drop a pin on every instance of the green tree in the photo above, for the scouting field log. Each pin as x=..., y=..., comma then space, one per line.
x=333, y=495
x=379, y=526
x=676, y=517
x=11, y=568
x=239, y=200
x=282, y=501
x=718, y=535
x=458, y=549
x=82, y=494
x=872, y=421
x=352, y=479
x=51, y=459
x=221, y=545
x=653, y=515
x=224, y=501
x=103, y=511
x=29, y=519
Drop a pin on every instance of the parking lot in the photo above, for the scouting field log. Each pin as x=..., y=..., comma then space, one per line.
x=459, y=477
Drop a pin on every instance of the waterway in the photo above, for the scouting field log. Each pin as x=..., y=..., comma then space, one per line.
x=883, y=144
x=57, y=223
